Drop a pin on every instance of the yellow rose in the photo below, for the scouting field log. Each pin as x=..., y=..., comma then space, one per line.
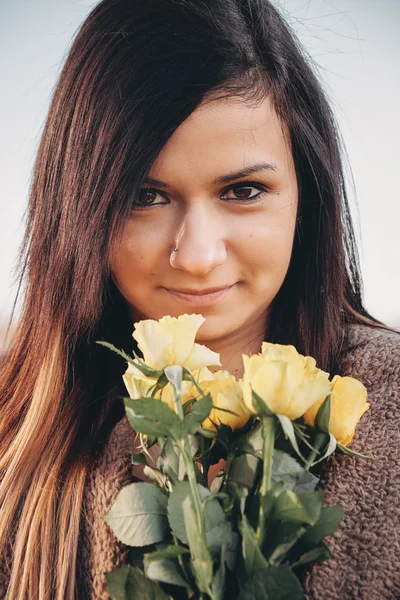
x=224, y=391
x=170, y=341
x=288, y=382
x=348, y=404
x=284, y=352
x=139, y=388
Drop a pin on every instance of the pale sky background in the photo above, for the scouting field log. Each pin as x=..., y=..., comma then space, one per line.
x=356, y=44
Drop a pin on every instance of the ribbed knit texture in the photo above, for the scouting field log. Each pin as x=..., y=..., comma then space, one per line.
x=366, y=547
x=99, y=550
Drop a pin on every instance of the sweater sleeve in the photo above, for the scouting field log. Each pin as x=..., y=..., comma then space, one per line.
x=99, y=550
x=366, y=547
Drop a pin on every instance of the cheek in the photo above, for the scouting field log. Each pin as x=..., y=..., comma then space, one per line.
x=266, y=247
x=134, y=261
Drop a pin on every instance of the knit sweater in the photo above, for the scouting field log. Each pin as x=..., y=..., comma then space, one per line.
x=366, y=546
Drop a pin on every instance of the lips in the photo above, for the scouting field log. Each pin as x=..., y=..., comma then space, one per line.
x=203, y=292
x=199, y=297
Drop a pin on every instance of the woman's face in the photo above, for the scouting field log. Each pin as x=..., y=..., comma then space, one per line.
x=222, y=191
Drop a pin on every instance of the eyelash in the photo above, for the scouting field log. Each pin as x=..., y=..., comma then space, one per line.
x=243, y=184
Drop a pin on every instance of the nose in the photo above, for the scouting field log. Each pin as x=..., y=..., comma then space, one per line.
x=200, y=240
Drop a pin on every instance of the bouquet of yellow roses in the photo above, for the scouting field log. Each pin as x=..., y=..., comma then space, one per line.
x=246, y=533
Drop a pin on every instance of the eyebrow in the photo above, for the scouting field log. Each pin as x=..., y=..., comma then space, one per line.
x=232, y=176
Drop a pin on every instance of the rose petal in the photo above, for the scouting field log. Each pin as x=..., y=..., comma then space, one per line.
x=155, y=341
x=267, y=379
x=183, y=330
x=168, y=341
x=201, y=356
x=306, y=395
x=225, y=391
x=348, y=405
x=279, y=352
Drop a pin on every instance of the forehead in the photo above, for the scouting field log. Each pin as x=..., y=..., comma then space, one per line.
x=222, y=136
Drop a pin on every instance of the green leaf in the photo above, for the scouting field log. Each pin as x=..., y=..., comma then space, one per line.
x=244, y=470
x=194, y=444
x=217, y=529
x=304, y=507
x=156, y=476
x=201, y=560
x=200, y=411
x=172, y=551
x=317, y=554
x=329, y=448
x=168, y=461
x=277, y=583
x=252, y=442
x=221, y=536
x=281, y=538
x=171, y=461
x=129, y=583
x=288, y=430
x=160, y=566
x=324, y=415
x=327, y=524
x=252, y=556
x=138, y=517
x=180, y=492
x=346, y=450
x=165, y=571
x=268, y=501
x=152, y=417
x=286, y=469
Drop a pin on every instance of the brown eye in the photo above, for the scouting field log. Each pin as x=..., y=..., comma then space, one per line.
x=149, y=197
x=245, y=192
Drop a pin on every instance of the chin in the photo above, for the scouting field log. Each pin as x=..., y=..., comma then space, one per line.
x=216, y=328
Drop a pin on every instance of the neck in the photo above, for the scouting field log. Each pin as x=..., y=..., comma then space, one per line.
x=231, y=348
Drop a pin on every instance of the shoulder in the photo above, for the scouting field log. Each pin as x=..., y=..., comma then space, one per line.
x=366, y=343
x=372, y=354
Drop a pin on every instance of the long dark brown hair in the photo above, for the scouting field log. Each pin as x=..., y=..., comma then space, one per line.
x=136, y=70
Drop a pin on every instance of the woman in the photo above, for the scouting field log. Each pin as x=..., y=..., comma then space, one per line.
x=190, y=163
